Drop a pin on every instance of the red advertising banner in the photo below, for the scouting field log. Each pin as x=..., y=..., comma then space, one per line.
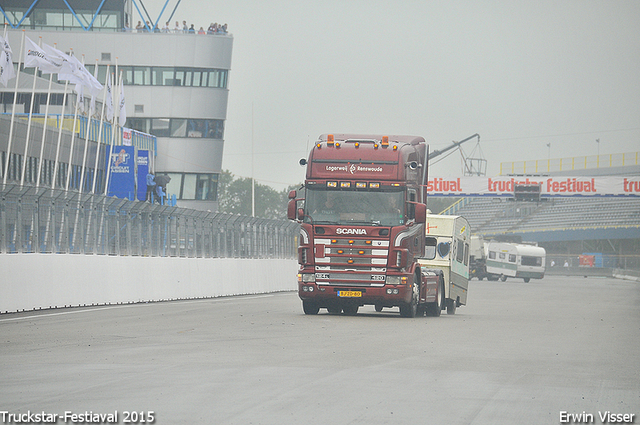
x=560, y=186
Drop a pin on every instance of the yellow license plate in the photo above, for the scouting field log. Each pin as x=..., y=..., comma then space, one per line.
x=350, y=294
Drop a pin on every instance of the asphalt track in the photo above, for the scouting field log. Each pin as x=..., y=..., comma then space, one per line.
x=517, y=354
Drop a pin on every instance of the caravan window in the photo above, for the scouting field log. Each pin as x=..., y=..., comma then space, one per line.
x=460, y=251
x=512, y=258
x=466, y=254
x=430, y=248
x=492, y=255
x=531, y=261
x=502, y=255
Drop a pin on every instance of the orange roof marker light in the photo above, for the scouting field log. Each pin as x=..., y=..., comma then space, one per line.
x=330, y=140
x=385, y=141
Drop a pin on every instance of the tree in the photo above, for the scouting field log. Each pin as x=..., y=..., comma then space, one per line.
x=234, y=197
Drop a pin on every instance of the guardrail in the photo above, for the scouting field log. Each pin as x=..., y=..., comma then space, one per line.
x=41, y=220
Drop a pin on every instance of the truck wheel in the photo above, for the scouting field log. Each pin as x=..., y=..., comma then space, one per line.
x=434, y=309
x=310, y=307
x=350, y=309
x=378, y=308
x=334, y=310
x=526, y=280
x=411, y=308
x=451, y=306
x=503, y=278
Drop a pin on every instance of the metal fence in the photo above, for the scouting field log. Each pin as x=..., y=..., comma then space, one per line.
x=41, y=220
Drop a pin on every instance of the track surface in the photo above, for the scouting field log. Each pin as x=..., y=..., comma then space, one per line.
x=517, y=354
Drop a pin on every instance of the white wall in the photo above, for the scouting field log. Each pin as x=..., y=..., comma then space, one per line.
x=39, y=281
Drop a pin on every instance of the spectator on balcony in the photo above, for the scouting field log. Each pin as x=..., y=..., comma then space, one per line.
x=192, y=30
x=166, y=27
x=177, y=28
x=185, y=27
x=139, y=27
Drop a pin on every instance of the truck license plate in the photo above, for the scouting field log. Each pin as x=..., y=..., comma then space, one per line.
x=350, y=294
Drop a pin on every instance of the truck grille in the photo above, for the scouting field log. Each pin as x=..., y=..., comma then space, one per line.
x=359, y=262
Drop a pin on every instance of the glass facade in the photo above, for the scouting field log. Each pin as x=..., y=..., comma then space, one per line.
x=55, y=16
x=193, y=186
x=178, y=127
x=166, y=76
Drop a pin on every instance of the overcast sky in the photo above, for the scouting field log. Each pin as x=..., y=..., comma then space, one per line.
x=521, y=74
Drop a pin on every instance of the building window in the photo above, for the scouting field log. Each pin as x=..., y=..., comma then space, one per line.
x=193, y=186
x=179, y=127
x=164, y=76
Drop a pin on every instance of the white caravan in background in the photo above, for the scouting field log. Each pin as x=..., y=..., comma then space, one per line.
x=523, y=261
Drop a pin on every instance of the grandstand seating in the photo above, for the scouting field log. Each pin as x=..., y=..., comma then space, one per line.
x=500, y=216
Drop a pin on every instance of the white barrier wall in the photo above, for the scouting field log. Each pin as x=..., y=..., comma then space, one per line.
x=40, y=281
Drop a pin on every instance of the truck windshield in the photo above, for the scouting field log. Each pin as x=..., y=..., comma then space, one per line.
x=378, y=208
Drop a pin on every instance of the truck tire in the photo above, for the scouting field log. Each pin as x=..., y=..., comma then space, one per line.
x=379, y=308
x=310, y=307
x=526, y=280
x=410, y=309
x=334, y=310
x=434, y=309
x=350, y=309
x=503, y=278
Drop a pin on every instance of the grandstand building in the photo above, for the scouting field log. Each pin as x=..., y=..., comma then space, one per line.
x=565, y=226
x=175, y=83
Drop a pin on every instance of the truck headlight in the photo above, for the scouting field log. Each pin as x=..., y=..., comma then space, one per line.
x=308, y=277
x=393, y=280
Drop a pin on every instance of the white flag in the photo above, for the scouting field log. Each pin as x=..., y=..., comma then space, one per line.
x=6, y=62
x=73, y=70
x=122, y=106
x=36, y=56
x=109, y=99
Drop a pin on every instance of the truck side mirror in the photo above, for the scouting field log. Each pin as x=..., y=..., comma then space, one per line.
x=291, y=208
x=421, y=213
x=292, y=194
x=300, y=213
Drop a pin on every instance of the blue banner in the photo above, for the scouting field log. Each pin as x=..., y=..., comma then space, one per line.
x=122, y=178
x=143, y=170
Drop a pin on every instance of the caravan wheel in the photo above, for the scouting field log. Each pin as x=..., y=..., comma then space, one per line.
x=451, y=306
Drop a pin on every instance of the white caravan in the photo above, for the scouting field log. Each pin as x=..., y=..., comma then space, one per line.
x=505, y=260
x=447, y=252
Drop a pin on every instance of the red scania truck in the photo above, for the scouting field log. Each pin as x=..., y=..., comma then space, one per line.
x=362, y=226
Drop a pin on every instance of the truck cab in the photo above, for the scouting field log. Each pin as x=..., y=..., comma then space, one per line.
x=362, y=217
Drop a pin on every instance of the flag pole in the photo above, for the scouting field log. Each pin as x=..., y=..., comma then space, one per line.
x=13, y=112
x=44, y=130
x=104, y=101
x=73, y=135
x=33, y=100
x=106, y=185
x=64, y=104
x=86, y=138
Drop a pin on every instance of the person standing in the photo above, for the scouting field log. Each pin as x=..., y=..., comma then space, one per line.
x=161, y=187
x=151, y=186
